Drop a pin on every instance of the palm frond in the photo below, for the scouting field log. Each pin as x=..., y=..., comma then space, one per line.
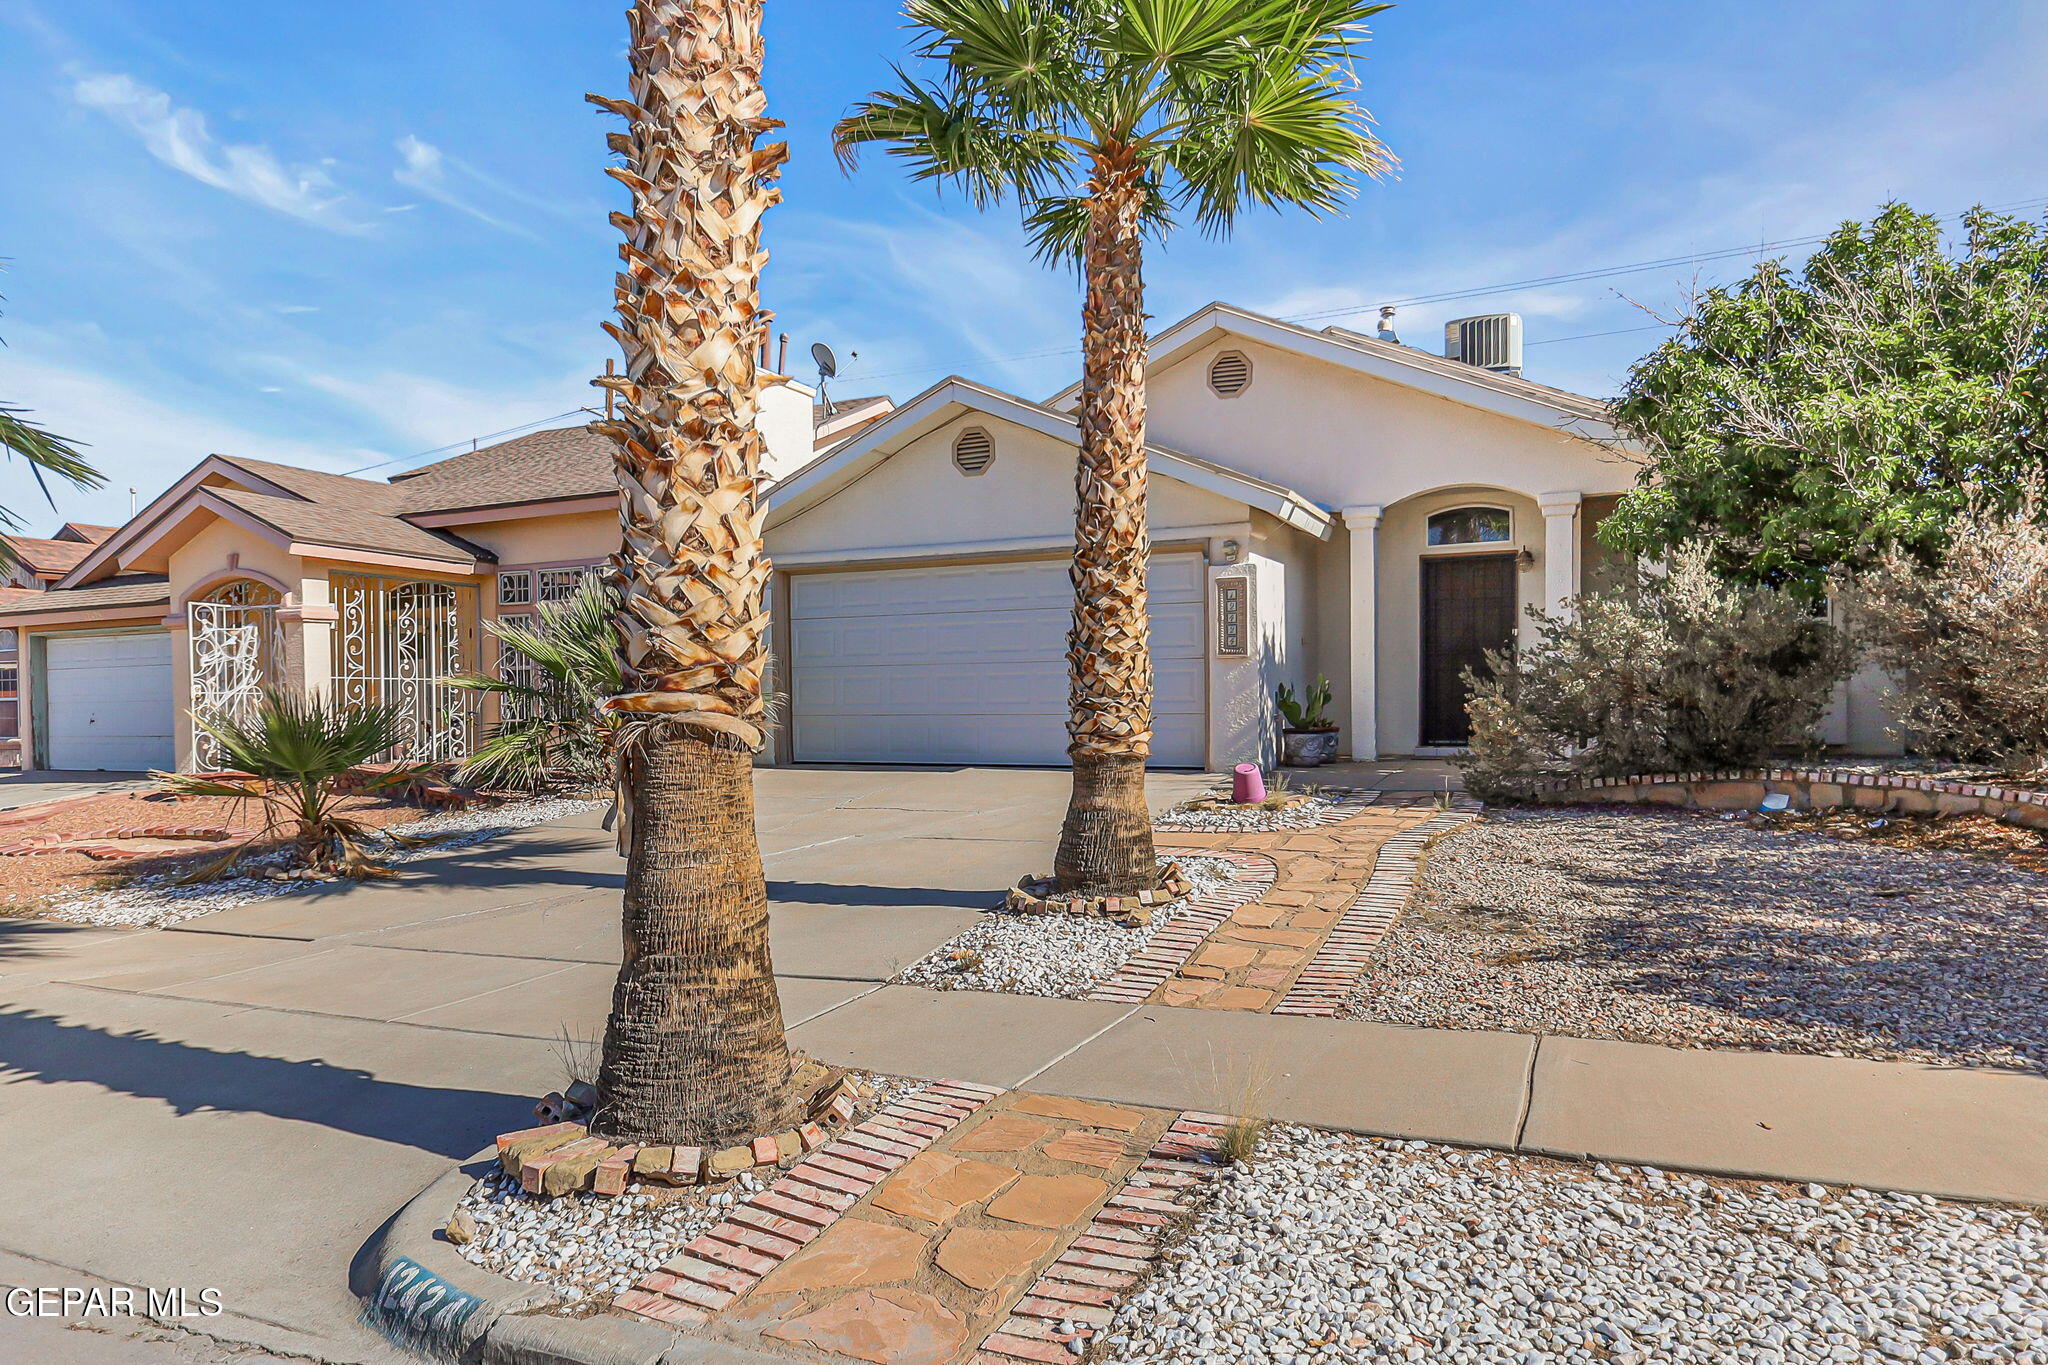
x=553, y=729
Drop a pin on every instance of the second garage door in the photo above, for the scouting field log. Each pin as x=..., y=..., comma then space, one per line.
x=967, y=664
x=109, y=699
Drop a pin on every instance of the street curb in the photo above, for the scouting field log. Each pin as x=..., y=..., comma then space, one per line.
x=431, y=1301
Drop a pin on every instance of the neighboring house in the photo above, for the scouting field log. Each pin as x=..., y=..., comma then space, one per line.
x=246, y=573
x=1321, y=502
x=36, y=563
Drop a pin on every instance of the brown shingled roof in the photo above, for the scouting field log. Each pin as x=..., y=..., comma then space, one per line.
x=564, y=462
x=127, y=590
x=48, y=556
x=354, y=528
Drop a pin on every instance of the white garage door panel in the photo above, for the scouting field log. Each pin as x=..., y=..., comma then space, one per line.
x=967, y=664
x=109, y=702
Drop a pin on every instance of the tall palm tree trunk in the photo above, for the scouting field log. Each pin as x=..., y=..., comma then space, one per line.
x=1106, y=840
x=694, y=1049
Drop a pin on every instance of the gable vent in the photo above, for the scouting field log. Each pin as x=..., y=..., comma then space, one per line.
x=1230, y=373
x=973, y=451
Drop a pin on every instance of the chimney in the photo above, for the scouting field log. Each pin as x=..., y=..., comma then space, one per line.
x=1386, y=331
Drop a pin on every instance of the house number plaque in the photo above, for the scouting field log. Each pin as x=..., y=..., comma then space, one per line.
x=1233, y=617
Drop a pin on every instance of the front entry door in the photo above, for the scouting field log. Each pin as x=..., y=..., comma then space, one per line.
x=1468, y=607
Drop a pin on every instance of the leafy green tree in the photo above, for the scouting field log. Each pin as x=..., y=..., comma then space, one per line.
x=1803, y=421
x=1103, y=119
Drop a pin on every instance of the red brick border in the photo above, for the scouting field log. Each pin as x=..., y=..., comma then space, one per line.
x=1176, y=941
x=1113, y=1253
x=1327, y=980
x=781, y=1220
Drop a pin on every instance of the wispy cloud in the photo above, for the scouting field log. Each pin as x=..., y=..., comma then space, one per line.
x=141, y=439
x=425, y=167
x=178, y=136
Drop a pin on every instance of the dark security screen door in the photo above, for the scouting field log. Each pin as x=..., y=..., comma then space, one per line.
x=1468, y=607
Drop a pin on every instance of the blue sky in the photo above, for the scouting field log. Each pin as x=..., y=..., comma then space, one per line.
x=342, y=235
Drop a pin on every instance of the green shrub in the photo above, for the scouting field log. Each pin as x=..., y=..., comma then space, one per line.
x=552, y=728
x=1669, y=672
x=1966, y=640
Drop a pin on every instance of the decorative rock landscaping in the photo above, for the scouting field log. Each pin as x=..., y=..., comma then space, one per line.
x=1333, y=1248
x=155, y=899
x=1665, y=927
x=1066, y=955
x=1286, y=810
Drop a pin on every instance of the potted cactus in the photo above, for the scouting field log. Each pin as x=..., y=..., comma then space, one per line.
x=1308, y=738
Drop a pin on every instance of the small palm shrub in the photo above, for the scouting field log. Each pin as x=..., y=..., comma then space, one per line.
x=552, y=728
x=290, y=756
x=1965, y=640
x=1669, y=672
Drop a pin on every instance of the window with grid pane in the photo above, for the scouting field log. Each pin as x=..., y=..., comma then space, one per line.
x=557, y=584
x=515, y=589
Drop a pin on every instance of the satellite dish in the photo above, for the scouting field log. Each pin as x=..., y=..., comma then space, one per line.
x=828, y=364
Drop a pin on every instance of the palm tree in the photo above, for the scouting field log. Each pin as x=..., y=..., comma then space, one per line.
x=553, y=726
x=694, y=1050
x=1104, y=118
x=288, y=758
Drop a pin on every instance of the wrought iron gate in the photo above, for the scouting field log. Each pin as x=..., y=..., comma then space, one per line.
x=398, y=642
x=237, y=651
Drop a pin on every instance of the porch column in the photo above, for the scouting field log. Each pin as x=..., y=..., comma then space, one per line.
x=1364, y=525
x=1560, y=549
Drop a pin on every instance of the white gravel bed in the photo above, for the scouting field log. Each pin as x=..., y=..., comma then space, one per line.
x=1334, y=1248
x=1687, y=930
x=589, y=1245
x=1058, y=955
x=1304, y=814
x=154, y=900
x=585, y=1244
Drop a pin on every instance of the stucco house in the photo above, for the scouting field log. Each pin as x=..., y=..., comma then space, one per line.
x=1321, y=502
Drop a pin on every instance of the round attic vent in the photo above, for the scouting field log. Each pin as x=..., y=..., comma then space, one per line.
x=973, y=451
x=1230, y=373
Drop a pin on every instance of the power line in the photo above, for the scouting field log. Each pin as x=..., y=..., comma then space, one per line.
x=1510, y=286
x=471, y=441
x=1445, y=296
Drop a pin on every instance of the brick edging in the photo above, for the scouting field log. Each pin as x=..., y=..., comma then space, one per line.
x=1176, y=941
x=1342, y=807
x=776, y=1223
x=1327, y=981
x=1113, y=1253
x=1808, y=788
x=94, y=843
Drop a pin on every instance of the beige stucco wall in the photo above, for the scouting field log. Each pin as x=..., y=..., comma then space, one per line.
x=1345, y=439
x=577, y=538
x=917, y=501
x=786, y=428
x=195, y=567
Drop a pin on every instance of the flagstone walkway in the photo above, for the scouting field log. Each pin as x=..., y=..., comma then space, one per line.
x=1329, y=894
x=958, y=1222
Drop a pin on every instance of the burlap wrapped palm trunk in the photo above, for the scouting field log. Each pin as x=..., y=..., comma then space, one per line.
x=1106, y=840
x=694, y=1050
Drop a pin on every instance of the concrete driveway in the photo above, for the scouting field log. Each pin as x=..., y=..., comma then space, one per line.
x=238, y=1103
x=25, y=789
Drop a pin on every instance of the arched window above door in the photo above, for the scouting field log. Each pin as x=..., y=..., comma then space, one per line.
x=1470, y=526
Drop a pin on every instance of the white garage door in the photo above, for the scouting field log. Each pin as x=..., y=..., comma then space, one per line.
x=109, y=702
x=967, y=664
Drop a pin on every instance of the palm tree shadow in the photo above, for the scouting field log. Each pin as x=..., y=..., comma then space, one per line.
x=833, y=893
x=40, y=1048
